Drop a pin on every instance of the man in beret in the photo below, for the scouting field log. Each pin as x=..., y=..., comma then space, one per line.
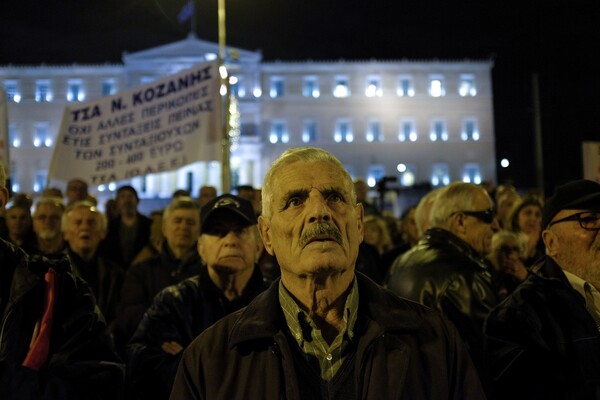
x=229, y=246
x=544, y=339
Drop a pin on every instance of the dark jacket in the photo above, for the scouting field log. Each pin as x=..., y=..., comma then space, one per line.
x=82, y=363
x=111, y=246
x=179, y=313
x=144, y=280
x=405, y=351
x=445, y=273
x=542, y=342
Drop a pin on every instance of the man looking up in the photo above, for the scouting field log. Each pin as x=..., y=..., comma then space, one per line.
x=322, y=328
x=229, y=246
x=544, y=339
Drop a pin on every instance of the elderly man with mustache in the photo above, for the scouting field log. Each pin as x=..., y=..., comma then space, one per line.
x=323, y=330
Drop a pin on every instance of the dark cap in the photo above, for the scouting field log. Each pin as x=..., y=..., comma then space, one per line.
x=228, y=203
x=581, y=194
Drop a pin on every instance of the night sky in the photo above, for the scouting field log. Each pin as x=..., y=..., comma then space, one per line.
x=556, y=40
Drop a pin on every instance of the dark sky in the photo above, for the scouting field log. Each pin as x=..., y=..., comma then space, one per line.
x=556, y=40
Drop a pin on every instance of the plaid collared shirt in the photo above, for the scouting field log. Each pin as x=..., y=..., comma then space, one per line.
x=309, y=336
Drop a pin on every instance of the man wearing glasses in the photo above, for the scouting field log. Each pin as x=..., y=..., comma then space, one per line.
x=447, y=270
x=544, y=340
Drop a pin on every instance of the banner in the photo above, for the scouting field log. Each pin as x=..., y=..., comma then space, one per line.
x=153, y=128
x=4, y=132
x=591, y=161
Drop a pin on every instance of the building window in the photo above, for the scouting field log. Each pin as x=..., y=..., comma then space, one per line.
x=237, y=86
x=75, y=91
x=42, y=91
x=375, y=173
x=13, y=92
x=276, y=87
x=374, y=133
x=147, y=79
x=249, y=129
x=309, y=131
x=13, y=135
x=470, y=131
x=405, y=86
x=279, y=132
x=341, y=86
x=440, y=175
x=471, y=174
x=310, y=87
x=42, y=135
x=436, y=86
x=373, y=86
x=408, y=131
x=109, y=87
x=39, y=180
x=438, y=131
x=408, y=173
x=466, y=86
x=343, y=131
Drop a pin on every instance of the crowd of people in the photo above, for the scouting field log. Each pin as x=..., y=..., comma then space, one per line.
x=301, y=289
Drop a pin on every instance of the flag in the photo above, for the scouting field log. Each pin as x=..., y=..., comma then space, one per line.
x=4, y=131
x=186, y=12
x=157, y=127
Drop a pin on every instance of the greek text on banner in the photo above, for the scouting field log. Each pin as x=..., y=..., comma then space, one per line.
x=157, y=127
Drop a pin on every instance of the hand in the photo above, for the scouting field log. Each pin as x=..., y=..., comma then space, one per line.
x=171, y=347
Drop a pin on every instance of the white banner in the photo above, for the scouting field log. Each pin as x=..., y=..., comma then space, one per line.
x=591, y=161
x=153, y=128
x=4, y=132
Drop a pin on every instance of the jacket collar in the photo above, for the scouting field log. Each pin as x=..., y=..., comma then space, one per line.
x=443, y=237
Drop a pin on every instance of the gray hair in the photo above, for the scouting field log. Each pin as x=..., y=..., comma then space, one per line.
x=458, y=196
x=423, y=211
x=87, y=205
x=291, y=156
x=181, y=203
x=50, y=200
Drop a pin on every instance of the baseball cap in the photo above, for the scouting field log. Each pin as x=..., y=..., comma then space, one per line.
x=227, y=203
x=581, y=194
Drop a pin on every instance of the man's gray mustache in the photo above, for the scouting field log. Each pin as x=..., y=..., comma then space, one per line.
x=320, y=231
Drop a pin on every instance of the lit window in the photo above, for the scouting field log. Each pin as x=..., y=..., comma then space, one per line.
x=343, y=131
x=147, y=79
x=471, y=174
x=436, y=86
x=407, y=131
x=341, y=87
x=373, y=87
x=440, y=175
x=407, y=174
x=470, y=131
x=13, y=135
x=375, y=173
x=276, y=87
x=39, y=180
x=466, y=86
x=42, y=91
x=309, y=131
x=42, y=135
x=438, y=131
x=237, y=86
x=257, y=92
x=405, y=86
x=109, y=87
x=75, y=92
x=310, y=87
x=13, y=92
x=249, y=129
x=279, y=133
x=374, y=133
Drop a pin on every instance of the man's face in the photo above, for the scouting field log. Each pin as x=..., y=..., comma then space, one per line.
x=84, y=230
x=76, y=191
x=229, y=245
x=313, y=225
x=206, y=195
x=18, y=221
x=46, y=221
x=575, y=249
x=127, y=202
x=182, y=228
x=477, y=233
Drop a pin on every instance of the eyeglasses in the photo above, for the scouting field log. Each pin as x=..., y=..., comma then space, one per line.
x=589, y=220
x=486, y=216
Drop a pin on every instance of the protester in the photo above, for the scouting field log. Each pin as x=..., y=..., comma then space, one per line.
x=507, y=257
x=322, y=328
x=53, y=342
x=206, y=194
x=77, y=190
x=19, y=224
x=229, y=246
x=544, y=340
x=129, y=232
x=525, y=218
x=362, y=190
x=447, y=270
x=177, y=260
x=47, y=218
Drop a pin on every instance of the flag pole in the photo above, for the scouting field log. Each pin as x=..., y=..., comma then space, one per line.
x=225, y=170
